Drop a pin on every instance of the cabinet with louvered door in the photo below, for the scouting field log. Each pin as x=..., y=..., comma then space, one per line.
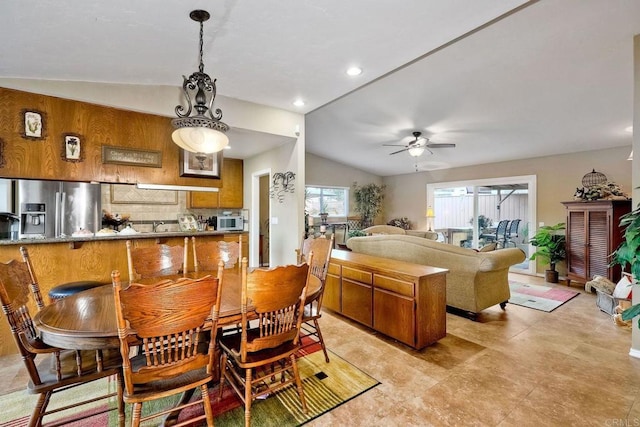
x=593, y=233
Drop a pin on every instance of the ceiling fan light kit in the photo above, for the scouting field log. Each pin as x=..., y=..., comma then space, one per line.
x=418, y=146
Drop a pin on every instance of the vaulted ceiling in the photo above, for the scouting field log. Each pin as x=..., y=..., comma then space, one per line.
x=502, y=79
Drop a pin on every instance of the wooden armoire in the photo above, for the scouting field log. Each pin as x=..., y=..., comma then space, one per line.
x=593, y=233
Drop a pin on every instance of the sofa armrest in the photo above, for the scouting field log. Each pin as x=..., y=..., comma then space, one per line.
x=500, y=259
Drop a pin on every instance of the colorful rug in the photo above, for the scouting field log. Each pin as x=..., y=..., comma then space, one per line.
x=326, y=386
x=543, y=298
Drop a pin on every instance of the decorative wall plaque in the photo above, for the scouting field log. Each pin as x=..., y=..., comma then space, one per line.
x=131, y=156
x=72, y=150
x=34, y=124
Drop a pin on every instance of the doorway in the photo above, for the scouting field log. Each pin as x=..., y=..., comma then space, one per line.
x=260, y=224
x=467, y=213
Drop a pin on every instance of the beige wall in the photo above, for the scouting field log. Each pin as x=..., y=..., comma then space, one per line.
x=324, y=172
x=557, y=179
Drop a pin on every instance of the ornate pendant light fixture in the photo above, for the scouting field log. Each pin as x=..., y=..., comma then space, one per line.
x=203, y=132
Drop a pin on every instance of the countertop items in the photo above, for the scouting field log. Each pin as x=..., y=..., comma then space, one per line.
x=112, y=235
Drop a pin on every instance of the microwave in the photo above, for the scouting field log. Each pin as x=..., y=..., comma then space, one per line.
x=230, y=223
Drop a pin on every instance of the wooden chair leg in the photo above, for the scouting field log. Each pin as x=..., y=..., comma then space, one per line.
x=296, y=374
x=120, y=385
x=136, y=413
x=248, y=397
x=223, y=367
x=39, y=410
x=324, y=348
x=204, y=390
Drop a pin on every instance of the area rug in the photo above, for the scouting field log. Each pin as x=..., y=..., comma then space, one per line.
x=326, y=386
x=543, y=298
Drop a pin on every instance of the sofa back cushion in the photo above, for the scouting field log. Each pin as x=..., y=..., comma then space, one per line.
x=382, y=229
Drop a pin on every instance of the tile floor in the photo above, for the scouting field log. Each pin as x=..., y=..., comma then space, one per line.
x=520, y=367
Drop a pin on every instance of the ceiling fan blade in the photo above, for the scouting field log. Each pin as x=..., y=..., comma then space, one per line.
x=445, y=145
x=393, y=145
x=399, y=151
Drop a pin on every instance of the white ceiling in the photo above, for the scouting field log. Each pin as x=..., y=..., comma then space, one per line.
x=551, y=77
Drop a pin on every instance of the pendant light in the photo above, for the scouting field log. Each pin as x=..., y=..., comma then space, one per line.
x=202, y=132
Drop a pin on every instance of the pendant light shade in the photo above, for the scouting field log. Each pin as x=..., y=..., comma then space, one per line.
x=199, y=139
x=202, y=132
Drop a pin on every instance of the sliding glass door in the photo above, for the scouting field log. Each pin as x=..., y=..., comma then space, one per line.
x=478, y=212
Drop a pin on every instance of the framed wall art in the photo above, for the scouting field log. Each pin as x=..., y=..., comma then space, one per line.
x=200, y=165
x=72, y=150
x=131, y=156
x=34, y=124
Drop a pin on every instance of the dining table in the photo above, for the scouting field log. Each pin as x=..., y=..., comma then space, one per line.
x=87, y=320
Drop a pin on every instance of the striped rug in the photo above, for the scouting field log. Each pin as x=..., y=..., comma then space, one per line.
x=326, y=386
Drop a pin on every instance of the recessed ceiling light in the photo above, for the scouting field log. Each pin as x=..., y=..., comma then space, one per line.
x=629, y=129
x=228, y=147
x=354, y=71
x=298, y=103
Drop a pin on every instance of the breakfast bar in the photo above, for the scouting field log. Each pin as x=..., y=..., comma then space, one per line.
x=64, y=260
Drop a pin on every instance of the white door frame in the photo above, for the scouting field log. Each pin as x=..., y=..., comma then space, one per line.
x=530, y=180
x=254, y=234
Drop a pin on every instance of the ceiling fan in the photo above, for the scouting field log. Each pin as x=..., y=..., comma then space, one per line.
x=418, y=145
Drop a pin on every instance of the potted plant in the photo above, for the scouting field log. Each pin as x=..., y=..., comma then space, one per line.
x=368, y=200
x=628, y=253
x=550, y=247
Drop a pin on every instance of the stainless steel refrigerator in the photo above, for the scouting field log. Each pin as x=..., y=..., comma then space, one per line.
x=50, y=209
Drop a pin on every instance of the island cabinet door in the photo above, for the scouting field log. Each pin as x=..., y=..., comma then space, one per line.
x=332, y=289
x=357, y=298
x=393, y=309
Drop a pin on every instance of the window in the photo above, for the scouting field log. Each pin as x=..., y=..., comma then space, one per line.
x=332, y=200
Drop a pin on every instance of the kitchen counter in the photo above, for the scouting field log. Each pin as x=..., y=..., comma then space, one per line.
x=143, y=235
x=71, y=259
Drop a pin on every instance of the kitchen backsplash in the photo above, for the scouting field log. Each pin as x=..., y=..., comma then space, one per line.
x=144, y=207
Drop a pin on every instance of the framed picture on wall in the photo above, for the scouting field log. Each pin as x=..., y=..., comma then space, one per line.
x=72, y=147
x=34, y=124
x=200, y=165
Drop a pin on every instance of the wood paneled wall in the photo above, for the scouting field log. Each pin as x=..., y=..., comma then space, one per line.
x=97, y=125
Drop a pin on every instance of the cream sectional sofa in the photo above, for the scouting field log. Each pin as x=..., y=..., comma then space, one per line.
x=476, y=280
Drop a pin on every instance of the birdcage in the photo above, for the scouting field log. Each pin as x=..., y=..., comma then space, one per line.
x=593, y=178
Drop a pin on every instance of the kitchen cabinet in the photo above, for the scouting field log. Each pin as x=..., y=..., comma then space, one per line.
x=402, y=300
x=393, y=299
x=357, y=296
x=593, y=233
x=230, y=194
x=332, y=297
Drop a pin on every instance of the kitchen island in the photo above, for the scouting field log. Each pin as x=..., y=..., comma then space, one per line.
x=71, y=259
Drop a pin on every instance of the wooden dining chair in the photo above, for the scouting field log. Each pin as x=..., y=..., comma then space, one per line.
x=57, y=370
x=157, y=260
x=207, y=254
x=33, y=284
x=172, y=326
x=253, y=358
x=321, y=249
x=57, y=292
